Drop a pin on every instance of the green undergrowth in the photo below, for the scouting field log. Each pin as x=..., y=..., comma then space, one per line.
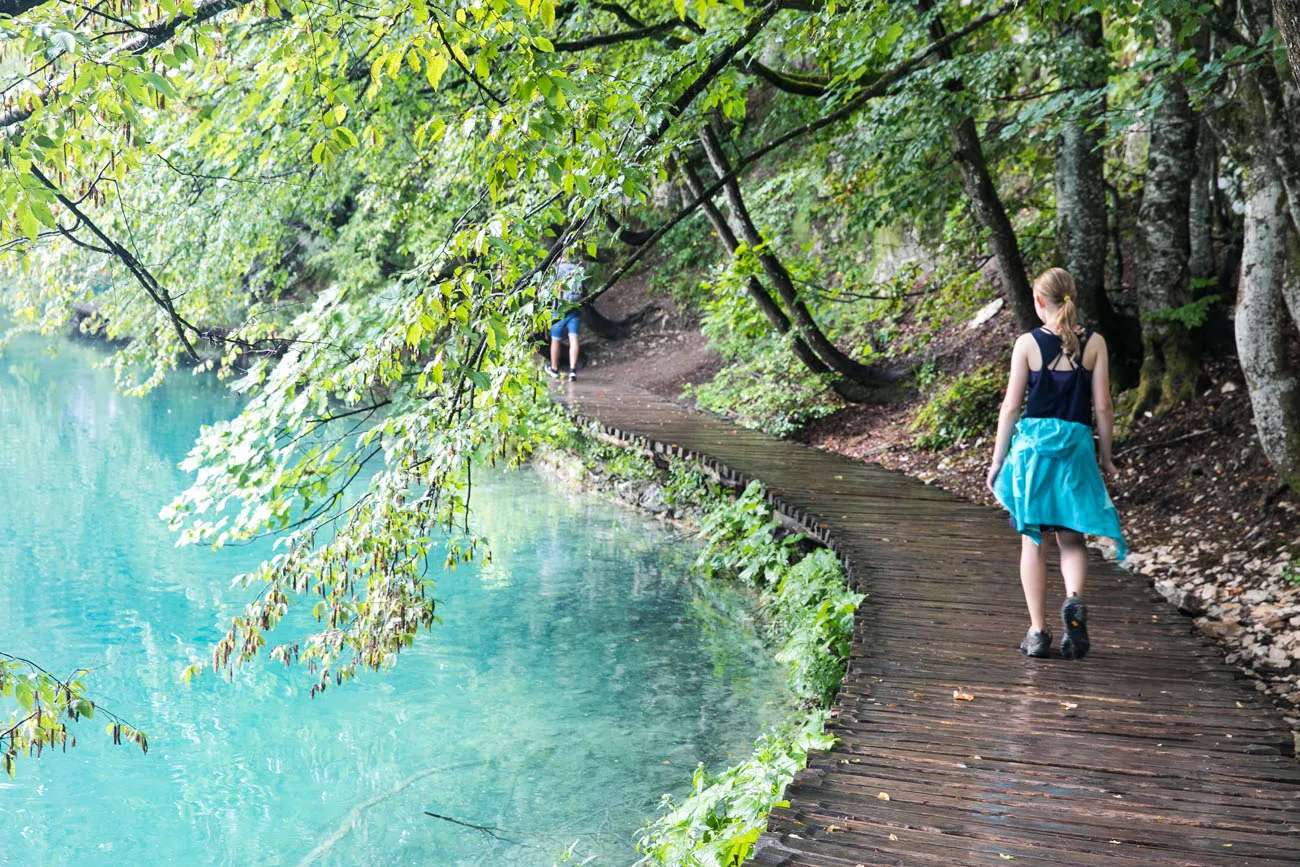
x=763, y=385
x=806, y=612
x=767, y=391
x=961, y=409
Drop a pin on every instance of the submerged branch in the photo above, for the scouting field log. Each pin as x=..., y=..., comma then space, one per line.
x=486, y=829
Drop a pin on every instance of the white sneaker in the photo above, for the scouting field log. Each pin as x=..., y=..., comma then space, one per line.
x=573, y=374
x=552, y=372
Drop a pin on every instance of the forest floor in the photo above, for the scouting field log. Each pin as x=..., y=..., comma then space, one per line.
x=1204, y=516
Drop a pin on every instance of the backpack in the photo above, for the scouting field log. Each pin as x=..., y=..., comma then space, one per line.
x=569, y=279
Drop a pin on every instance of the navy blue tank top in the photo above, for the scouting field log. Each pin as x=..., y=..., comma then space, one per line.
x=1064, y=394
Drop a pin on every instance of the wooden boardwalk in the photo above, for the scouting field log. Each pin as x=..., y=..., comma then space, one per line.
x=1151, y=751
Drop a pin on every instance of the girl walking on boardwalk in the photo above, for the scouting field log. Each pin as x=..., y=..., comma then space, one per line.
x=1048, y=477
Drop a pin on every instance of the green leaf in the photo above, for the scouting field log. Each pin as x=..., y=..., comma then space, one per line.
x=434, y=68
x=414, y=332
x=27, y=220
x=23, y=694
x=345, y=137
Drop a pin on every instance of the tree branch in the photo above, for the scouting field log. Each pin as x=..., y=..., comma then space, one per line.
x=465, y=69
x=14, y=8
x=797, y=84
x=160, y=295
x=615, y=38
x=148, y=39
x=719, y=62
x=877, y=87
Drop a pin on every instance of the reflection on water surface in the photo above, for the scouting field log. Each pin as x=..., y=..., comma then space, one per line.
x=575, y=678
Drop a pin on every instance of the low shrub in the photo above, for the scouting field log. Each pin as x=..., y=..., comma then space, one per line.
x=962, y=410
x=718, y=823
x=772, y=392
x=809, y=612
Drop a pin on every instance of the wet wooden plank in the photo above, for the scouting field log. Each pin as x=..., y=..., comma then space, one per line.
x=1151, y=751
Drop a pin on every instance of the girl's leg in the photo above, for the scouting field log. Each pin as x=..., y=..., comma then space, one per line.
x=1074, y=561
x=1033, y=578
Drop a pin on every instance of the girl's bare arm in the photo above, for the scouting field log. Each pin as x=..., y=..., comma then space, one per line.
x=1011, y=403
x=1103, y=406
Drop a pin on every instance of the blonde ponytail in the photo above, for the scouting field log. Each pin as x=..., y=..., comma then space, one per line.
x=1055, y=286
x=1066, y=327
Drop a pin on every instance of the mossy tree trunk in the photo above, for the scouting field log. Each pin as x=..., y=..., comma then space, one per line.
x=1169, y=362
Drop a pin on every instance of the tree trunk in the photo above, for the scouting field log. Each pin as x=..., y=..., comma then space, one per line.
x=1288, y=23
x=1169, y=364
x=1081, y=188
x=1276, y=125
x=771, y=310
x=779, y=277
x=978, y=183
x=1200, y=225
x=1264, y=330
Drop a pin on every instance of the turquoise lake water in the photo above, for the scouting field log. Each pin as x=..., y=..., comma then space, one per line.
x=575, y=678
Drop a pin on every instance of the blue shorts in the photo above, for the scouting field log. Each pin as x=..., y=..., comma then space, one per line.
x=568, y=323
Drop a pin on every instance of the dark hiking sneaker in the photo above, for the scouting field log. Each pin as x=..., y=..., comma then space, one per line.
x=1074, y=614
x=573, y=374
x=1037, y=644
x=551, y=372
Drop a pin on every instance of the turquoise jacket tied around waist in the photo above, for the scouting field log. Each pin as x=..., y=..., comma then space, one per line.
x=1050, y=479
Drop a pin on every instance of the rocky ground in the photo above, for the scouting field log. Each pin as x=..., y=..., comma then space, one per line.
x=1206, y=520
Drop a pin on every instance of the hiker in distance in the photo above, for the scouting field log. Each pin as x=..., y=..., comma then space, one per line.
x=567, y=295
x=1049, y=477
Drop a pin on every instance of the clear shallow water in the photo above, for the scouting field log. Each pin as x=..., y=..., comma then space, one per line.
x=575, y=678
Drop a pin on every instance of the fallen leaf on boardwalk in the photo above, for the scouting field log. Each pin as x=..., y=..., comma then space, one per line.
x=1069, y=705
x=884, y=796
x=962, y=696
x=894, y=837
x=1114, y=842
x=1006, y=857
x=831, y=829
